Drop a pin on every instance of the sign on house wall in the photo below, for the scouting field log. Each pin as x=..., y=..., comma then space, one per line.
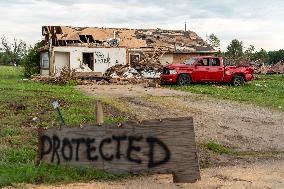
x=153, y=146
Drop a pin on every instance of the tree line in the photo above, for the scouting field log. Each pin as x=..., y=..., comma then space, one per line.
x=237, y=52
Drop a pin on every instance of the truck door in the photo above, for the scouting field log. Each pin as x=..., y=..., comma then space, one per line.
x=215, y=71
x=200, y=70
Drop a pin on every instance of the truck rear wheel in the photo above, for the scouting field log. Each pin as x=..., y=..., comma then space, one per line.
x=238, y=80
x=183, y=80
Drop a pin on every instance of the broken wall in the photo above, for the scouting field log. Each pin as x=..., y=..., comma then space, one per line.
x=103, y=58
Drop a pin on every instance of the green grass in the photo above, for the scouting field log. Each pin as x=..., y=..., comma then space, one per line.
x=267, y=90
x=217, y=148
x=20, y=102
x=221, y=149
x=28, y=173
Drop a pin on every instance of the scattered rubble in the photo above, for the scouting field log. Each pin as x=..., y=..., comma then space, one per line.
x=103, y=82
x=149, y=67
x=259, y=67
x=83, y=68
x=278, y=67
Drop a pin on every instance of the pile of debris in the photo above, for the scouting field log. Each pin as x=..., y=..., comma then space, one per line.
x=149, y=67
x=258, y=66
x=123, y=72
x=278, y=67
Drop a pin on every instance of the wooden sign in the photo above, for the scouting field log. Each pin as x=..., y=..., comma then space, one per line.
x=153, y=146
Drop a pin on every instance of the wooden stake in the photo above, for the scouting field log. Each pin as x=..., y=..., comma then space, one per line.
x=99, y=113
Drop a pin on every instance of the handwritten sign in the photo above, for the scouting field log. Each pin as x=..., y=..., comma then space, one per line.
x=153, y=146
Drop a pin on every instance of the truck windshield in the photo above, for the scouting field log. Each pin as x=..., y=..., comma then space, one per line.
x=190, y=61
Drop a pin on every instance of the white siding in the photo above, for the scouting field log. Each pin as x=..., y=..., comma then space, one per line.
x=103, y=57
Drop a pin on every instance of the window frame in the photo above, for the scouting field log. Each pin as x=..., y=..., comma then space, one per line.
x=45, y=66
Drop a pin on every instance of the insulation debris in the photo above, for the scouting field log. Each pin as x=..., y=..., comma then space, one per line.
x=83, y=68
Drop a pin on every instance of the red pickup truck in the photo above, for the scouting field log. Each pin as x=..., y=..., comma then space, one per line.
x=206, y=69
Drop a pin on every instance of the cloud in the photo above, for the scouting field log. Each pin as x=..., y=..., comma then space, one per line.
x=258, y=23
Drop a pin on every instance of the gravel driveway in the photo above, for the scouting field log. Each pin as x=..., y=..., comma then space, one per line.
x=240, y=126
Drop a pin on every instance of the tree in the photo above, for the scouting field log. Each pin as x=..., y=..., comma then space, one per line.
x=234, y=53
x=260, y=56
x=249, y=52
x=214, y=41
x=31, y=61
x=12, y=53
x=235, y=49
x=275, y=56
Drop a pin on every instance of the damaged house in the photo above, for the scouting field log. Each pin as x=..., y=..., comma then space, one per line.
x=93, y=49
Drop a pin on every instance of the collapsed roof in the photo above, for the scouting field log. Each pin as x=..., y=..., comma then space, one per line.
x=176, y=41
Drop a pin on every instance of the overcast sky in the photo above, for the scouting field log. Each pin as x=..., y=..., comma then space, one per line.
x=256, y=22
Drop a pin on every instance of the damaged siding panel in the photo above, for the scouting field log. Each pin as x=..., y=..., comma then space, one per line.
x=103, y=58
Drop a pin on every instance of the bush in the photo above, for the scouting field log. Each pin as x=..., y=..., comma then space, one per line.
x=31, y=61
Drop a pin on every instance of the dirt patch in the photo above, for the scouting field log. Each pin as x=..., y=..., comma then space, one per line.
x=16, y=106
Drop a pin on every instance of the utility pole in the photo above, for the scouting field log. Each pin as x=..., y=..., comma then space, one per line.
x=185, y=26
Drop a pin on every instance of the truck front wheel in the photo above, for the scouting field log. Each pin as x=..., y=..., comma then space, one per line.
x=238, y=80
x=183, y=80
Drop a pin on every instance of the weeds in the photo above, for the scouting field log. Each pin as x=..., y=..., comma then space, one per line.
x=217, y=148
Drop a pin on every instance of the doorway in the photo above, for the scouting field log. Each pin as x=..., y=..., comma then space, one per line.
x=88, y=59
x=62, y=59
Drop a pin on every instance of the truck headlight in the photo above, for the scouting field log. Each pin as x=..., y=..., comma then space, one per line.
x=173, y=72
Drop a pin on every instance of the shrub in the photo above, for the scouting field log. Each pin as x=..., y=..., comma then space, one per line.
x=31, y=61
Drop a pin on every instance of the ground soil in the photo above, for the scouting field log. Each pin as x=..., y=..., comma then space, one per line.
x=255, y=133
x=254, y=176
